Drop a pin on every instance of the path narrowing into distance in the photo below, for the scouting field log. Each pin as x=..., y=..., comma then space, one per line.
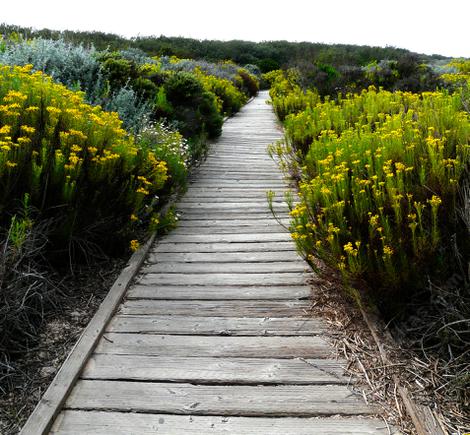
x=216, y=335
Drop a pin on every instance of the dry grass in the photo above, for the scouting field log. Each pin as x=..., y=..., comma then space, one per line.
x=31, y=373
x=424, y=376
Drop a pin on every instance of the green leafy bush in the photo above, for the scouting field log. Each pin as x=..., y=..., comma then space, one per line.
x=250, y=82
x=194, y=108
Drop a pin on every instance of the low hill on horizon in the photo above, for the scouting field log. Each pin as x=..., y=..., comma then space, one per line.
x=267, y=55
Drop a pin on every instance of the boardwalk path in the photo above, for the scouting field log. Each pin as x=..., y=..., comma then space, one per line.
x=215, y=336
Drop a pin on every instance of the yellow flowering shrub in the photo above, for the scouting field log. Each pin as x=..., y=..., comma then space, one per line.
x=73, y=159
x=379, y=182
x=229, y=98
x=287, y=96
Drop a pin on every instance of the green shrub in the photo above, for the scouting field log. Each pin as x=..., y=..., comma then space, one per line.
x=229, y=98
x=250, y=82
x=74, y=160
x=380, y=180
x=195, y=109
x=118, y=71
x=134, y=110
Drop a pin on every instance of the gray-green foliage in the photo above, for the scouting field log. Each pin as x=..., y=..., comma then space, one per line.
x=77, y=68
x=220, y=70
x=72, y=65
x=133, y=110
x=136, y=55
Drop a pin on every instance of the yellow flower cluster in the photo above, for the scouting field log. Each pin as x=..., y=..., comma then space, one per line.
x=376, y=168
x=134, y=245
x=50, y=133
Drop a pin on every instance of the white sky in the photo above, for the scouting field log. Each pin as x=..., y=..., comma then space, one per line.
x=430, y=26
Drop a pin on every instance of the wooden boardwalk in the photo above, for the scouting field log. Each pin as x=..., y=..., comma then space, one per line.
x=215, y=336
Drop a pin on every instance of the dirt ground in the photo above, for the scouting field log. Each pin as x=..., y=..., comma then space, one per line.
x=30, y=375
x=421, y=375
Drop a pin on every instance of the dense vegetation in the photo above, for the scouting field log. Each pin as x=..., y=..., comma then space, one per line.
x=98, y=131
x=267, y=56
x=384, y=193
x=92, y=144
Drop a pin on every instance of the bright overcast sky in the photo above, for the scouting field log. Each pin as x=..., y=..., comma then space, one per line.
x=423, y=26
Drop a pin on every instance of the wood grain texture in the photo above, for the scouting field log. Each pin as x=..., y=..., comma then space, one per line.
x=203, y=268
x=226, y=326
x=205, y=370
x=230, y=216
x=217, y=308
x=218, y=293
x=223, y=257
x=227, y=238
x=225, y=247
x=288, y=278
x=224, y=400
x=214, y=346
x=118, y=423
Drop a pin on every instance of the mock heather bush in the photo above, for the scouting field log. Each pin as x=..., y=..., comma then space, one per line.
x=229, y=98
x=74, y=160
x=380, y=179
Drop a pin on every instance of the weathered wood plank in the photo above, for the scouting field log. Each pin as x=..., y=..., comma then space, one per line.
x=231, y=206
x=223, y=257
x=194, y=189
x=226, y=326
x=240, y=198
x=203, y=268
x=233, y=400
x=215, y=346
x=227, y=238
x=216, y=215
x=215, y=293
x=222, y=163
x=224, y=247
x=260, y=170
x=238, y=183
x=118, y=423
x=288, y=278
x=253, y=229
x=221, y=308
x=239, y=223
x=238, y=180
x=203, y=370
